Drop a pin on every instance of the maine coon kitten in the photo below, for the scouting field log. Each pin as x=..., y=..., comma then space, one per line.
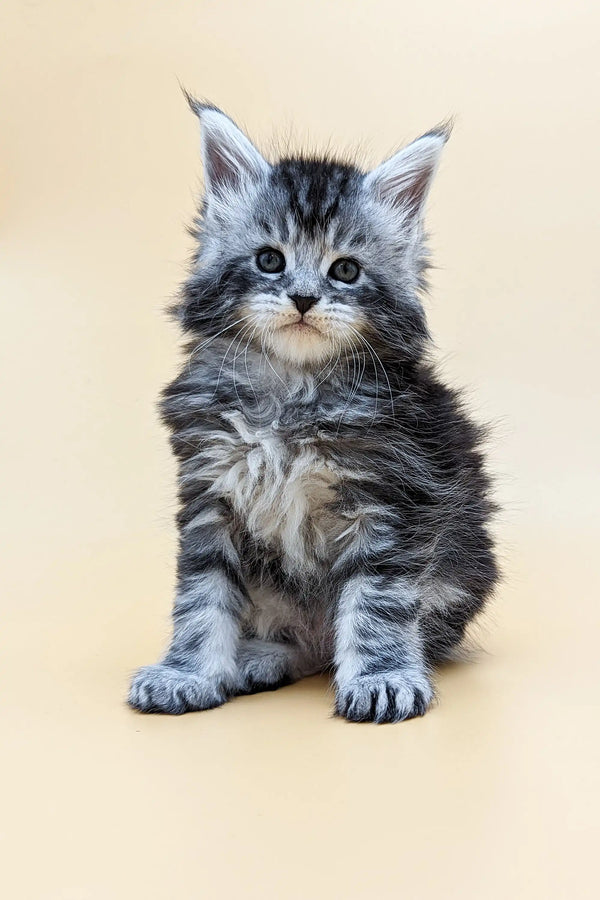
x=334, y=505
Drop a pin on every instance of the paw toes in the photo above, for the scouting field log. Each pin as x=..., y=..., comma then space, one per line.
x=383, y=699
x=420, y=704
x=163, y=689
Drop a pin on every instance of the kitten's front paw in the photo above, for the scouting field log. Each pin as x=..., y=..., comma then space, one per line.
x=388, y=697
x=164, y=689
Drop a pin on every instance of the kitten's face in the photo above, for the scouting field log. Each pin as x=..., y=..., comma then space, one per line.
x=310, y=258
x=305, y=259
x=308, y=268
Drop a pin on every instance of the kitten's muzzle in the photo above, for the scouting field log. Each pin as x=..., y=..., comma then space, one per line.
x=303, y=303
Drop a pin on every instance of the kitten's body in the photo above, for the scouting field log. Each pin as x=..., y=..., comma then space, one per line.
x=333, y=502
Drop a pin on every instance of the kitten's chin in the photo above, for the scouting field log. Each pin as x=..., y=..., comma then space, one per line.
x=301, y=344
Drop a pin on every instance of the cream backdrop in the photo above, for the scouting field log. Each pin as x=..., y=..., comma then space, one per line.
x=492, y=795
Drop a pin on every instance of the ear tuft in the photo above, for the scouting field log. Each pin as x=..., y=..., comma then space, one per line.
x=197, y=106
x=443, y=130
x=404, y=179
x=230, y=158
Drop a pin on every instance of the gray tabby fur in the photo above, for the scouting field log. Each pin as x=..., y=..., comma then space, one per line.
x=334, y=505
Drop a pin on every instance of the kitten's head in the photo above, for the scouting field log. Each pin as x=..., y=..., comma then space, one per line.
x=308, y=257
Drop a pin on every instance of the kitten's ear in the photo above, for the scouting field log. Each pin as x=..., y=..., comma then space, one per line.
x=404, y=179
x=229, y=158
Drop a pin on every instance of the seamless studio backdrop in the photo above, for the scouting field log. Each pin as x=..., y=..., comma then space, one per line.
x=492, y=794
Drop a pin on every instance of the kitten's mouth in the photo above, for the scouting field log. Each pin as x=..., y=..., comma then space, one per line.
x=301, y=326
x=300, y=342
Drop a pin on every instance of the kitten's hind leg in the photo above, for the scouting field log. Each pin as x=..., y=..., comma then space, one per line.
x=267, y=665
x=445, y=613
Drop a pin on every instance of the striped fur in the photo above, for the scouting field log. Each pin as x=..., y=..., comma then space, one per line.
x=334, y=505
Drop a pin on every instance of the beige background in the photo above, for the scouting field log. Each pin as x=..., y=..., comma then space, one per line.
x=494, y=794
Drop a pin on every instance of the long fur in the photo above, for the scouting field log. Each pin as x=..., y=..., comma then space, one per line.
x=334, y=505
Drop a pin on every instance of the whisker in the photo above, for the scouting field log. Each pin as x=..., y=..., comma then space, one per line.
x=358, y=372
x=332, y=365
x=234, y=341
x=214, y=337
x=266, y=355
x=248, y=342
x=389, y=387
x=377, y=359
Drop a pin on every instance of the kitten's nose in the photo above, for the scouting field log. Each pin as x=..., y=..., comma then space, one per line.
x=303, y=304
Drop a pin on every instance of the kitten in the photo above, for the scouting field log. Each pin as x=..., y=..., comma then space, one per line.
x=334, y=505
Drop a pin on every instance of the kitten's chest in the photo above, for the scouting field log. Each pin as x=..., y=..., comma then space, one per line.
x=281, y=485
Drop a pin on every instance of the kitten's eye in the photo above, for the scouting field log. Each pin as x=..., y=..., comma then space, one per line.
x=270, y=260
x=345, y=270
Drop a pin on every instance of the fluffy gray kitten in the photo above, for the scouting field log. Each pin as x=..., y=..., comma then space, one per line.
x=334, y=506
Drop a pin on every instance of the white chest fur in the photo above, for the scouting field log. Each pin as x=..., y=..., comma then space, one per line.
x=281, y=489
